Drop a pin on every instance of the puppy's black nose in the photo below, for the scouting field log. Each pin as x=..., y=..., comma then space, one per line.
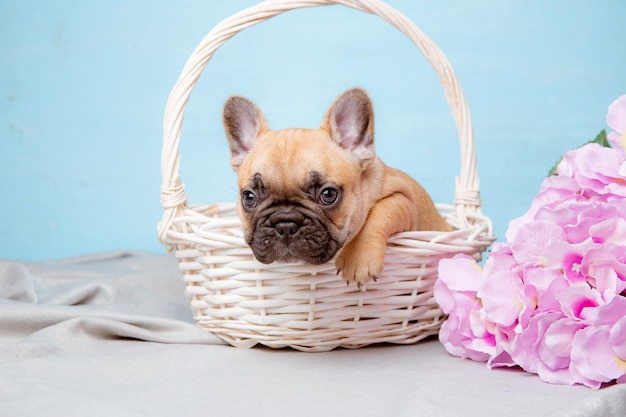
x=286, y=229
x=286, y=223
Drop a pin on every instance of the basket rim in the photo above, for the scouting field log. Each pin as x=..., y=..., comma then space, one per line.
x=173, y=197
x=218, y=226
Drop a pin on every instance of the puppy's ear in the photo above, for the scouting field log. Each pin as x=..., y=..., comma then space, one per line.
x=350, y=121
x=243, y=122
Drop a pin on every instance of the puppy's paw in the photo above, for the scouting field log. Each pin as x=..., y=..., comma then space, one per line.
x=360, y=263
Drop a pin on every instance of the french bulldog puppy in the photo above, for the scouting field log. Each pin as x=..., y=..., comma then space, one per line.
x=313, y=194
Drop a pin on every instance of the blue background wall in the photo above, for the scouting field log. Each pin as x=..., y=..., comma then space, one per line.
x=83, y=86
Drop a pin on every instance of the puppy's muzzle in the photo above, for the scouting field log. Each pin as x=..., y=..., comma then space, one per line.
x=289, y=234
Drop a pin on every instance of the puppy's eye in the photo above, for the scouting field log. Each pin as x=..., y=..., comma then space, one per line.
x=329, y=196
x=248, y=199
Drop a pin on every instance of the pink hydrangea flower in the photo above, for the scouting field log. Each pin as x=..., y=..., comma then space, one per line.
x=552, y=299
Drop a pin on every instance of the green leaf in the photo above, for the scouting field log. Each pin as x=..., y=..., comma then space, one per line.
x=600, y=140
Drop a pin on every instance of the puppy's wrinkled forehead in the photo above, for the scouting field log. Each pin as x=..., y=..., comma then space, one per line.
x=289, y=161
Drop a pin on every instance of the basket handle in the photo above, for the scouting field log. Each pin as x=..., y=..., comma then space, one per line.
x=173, y=197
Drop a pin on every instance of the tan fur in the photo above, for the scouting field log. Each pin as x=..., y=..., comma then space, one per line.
x=377, y=200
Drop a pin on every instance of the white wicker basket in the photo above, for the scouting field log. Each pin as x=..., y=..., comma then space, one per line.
x=309, y=307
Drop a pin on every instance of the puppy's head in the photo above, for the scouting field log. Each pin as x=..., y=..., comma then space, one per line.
x=303, y=192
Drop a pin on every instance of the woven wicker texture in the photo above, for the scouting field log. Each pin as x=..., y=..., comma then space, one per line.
x=309, y=307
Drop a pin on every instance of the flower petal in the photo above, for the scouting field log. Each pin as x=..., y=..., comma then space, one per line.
x=575, y=300
x=611, y=230
x=611, y=312
x=593, y=167
x=616, y=116
x=460, y=273
x=525, y=347
x=532, y=240
x=617, y=338
x=617, y=141
x=593, y=359
x=457, y=282
x=459, y=345
x=556, y=345
x=499, y=294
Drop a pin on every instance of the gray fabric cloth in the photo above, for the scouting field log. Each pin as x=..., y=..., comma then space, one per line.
x=112, y=335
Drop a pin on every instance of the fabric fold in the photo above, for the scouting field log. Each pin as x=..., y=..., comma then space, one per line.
x=46, y=307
